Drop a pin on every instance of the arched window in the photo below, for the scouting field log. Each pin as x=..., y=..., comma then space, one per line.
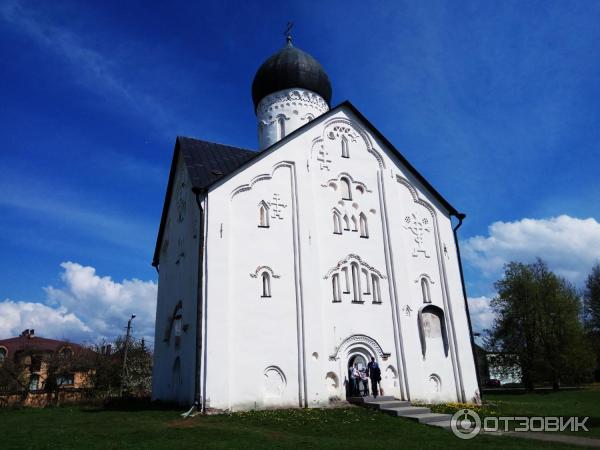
x=364, y=229
x=367, y=283
x=346, y=223
x=376, y=290
x=337, y=223
x=263, y=215
x=354, y=224
x=346, y=192
x=346, y=279
x=280, y=127
x=345, y=151
x=335, y=281
x=357, y=294
x=425, y=290
x=266, y=284
x=3, y=353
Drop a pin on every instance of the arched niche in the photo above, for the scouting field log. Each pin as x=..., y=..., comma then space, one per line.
x=432, y=328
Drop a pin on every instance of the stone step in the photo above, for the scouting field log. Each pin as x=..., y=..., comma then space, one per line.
x=388, y=404
x=429, y=418
x=406, y=411
x=371, y=399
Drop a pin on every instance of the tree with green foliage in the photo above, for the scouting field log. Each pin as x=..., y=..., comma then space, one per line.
x=591, y=298
x=538, y=326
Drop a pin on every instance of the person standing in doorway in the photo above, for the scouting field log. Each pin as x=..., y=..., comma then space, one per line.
x=375, y=375
x=365, y=382
x=356, y=380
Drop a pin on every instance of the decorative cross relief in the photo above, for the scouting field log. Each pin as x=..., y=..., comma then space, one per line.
x=407, y=310
x=323, y=158
x=276, y=207
x=418, y=228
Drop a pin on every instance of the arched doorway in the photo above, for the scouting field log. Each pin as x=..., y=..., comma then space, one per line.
x=359, y=349
x=359, y=358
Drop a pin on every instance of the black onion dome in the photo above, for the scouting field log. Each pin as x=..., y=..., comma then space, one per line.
x=290, y=67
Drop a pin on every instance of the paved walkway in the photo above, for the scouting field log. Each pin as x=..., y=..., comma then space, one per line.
x=550, y=437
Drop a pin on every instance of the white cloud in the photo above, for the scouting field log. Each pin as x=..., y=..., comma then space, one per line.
x=86, y=307
x=52, y=322
x=569, y=245
x=481, y=314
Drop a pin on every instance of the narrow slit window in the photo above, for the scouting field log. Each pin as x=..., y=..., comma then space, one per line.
x=263, y=215
x=266, y=284
x=337, y=295
x=425, y=290
x=354, y=224
x=376, y=291
x=346, y=192
x=345, y=151
x=364, y=230
x=357, y=294
x=346, y=223
x=346, y=280
x=367, y=284
x=337, y=223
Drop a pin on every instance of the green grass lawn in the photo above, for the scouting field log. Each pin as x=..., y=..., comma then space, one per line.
x=353, y=427
x=567, y=403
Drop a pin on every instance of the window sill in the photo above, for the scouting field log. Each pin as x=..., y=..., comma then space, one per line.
x=358, y=301
x=263, y=226
x=377, y=302
x=364, y=237
x=347, y=157
x=265, y=296
x=336, y=301
x=337, y=232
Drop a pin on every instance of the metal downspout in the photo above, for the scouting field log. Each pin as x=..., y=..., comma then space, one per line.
x=198, y=400
x=461, y=217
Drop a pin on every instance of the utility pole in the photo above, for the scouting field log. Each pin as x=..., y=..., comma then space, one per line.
x=124, y=372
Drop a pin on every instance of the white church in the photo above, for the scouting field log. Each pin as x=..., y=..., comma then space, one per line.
x=282, y=267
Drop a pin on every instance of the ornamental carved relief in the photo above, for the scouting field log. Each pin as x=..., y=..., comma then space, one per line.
x=276, y=206
x=358, y=340
x=418, y=227
x=261, y=269
x=342, y=130
x=359, y=260
x=297, y=97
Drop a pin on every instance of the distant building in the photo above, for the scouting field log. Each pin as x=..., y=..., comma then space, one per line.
x=494, y=370
x=32, y=356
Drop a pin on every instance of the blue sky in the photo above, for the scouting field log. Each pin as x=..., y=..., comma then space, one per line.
x=496, y=103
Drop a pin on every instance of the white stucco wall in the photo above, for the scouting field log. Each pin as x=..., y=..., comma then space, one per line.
x=177, y=282
x=292, y=348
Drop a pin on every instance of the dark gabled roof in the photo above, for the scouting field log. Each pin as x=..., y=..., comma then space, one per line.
x=208, y=162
